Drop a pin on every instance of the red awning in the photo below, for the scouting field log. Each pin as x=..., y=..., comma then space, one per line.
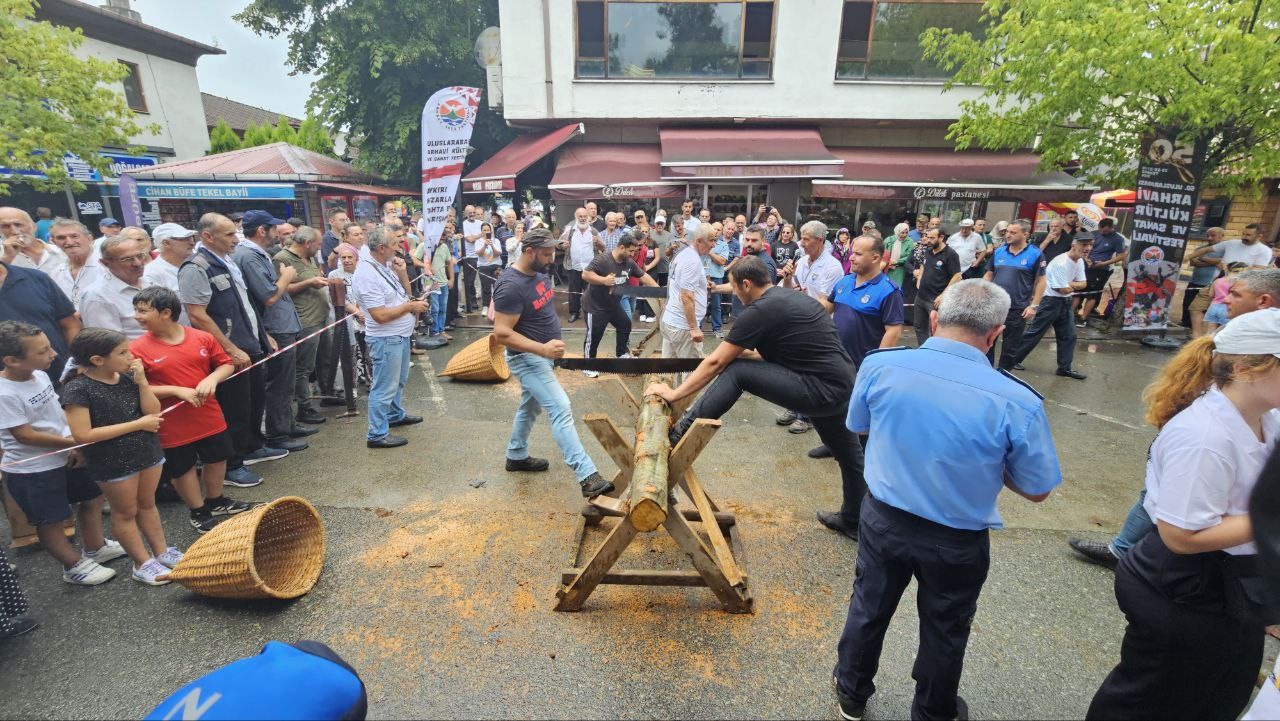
x=498, y=173
x=745, y=153
x=379, y=190
x=944, y=174
x=584, y=172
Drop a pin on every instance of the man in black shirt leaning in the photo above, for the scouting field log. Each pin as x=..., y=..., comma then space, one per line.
x=784, y=349
x=600, y=307
x=937, y=269
x=525, y=321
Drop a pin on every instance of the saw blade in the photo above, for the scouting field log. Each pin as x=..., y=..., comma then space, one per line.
x=630, y=366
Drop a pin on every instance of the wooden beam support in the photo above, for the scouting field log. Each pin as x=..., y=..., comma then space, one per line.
x=695, y=440
x=731, y=598
x=718, y=543
x=623, y=400
x=615, y=445
x=575, y=593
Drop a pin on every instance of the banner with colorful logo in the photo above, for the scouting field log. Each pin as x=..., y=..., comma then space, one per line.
x=447, y=120
x=1169, y=174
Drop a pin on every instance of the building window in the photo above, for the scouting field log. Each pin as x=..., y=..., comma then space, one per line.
x=133, y=88
x=880, y=39
x=694, y=39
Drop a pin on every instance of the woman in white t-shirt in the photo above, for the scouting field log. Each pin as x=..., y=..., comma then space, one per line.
x=1191, y=590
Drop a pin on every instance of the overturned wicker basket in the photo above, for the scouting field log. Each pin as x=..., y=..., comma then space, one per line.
x=483, y=360
x=272, y=551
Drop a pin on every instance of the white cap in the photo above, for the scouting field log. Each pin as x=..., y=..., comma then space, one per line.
x=966, y=223
x=165, y=231
x=1255, y=333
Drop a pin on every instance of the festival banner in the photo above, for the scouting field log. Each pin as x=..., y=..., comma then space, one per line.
x=1169, y=175
x=130, y=205
x=447, y=120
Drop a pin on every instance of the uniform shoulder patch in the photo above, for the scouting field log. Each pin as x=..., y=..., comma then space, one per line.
x=886, y=350
x=1021, y=382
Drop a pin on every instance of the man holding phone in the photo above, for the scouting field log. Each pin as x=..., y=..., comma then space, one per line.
x=601, y=307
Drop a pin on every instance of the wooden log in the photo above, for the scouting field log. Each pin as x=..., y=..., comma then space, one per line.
x=649, y=468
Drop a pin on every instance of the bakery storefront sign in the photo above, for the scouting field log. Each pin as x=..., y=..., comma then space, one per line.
x=933, y=192
x=618, y=191
x=851, y=190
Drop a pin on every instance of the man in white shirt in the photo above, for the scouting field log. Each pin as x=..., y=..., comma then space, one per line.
x=390, y=315
x=580, y=243
x=108, y=303
x=1063, y=276
x=21, y=246
x=79, y=272
x=687, y=219
x=687, y=298
x=471, y=232
x=175, y=244
x=971, y=247
x=815, y=275
x=1248, y=249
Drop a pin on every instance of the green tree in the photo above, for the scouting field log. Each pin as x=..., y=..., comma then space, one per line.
x=222, y=138
x=373, y=83
x=55, y=103
x=1087, y=79
x=284, y=132
x=313, y=137
x=255, y=135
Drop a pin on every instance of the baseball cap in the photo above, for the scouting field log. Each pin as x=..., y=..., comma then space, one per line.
x=966, y=223
x=1254, y=333
x=165, y=231
x=108, y=222
x=538, y=237
x=660, y=220
x=255, y=218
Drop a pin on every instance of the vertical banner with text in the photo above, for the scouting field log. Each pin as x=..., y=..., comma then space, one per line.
x=447, y=120
x=130, y=206
x=1169, y=175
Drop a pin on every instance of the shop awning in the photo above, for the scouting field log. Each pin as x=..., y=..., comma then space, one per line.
x=379, y=190
x=498, y=173
x=944, y=174
x=745, y=153
x=584, y=172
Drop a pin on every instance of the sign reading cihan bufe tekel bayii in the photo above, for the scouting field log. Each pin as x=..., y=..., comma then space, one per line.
x=1169, y=173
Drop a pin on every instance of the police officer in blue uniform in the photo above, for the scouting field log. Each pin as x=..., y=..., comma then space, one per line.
x=927, y=513
x=1018, y=267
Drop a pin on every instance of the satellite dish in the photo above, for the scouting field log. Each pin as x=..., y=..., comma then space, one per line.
x=488, y=50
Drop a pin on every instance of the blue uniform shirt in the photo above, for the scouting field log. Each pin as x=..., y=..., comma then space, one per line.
x=862, y=312
x=1017, y=273
x=971, y=424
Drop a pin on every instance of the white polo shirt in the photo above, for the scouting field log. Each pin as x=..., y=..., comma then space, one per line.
x=966, y=248
x=470, y=227
x=1205, y=463
x=686, y=273
x=108, y=303
x=374, y=286
x=1235, y=251
x=819, y=276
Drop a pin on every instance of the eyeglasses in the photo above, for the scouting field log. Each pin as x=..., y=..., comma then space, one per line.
x=140, y=258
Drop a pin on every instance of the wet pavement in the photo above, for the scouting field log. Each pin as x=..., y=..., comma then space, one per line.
x=442, y=570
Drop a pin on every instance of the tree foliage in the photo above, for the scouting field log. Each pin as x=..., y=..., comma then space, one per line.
x=53, y=102
x=222, y=138
x=313, y=137
x=284, y=132
x=1086, y=79
x=255, y=135
x=377, y=62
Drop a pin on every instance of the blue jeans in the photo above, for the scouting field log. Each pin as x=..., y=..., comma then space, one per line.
x=628, y=305
x=390, y=355
x=439, y=301
x=714, y=310
x=1136, y=527
x=539, y=390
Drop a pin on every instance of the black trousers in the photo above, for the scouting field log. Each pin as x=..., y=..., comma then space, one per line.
x=642, y=305
x=243, y=401
x=597, y=321
x=1059, y=314
x=451, y=305
x=1182, y=656
x=576, y=287
x=920, y=319
x=825, y=406
x=469, y=299
x=950, y=564
x=488, y=276
x=1010, y=340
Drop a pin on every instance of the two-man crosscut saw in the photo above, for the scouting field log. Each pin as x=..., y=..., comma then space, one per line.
x=630, y=366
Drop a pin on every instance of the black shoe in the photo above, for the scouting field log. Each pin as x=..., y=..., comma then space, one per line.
x=19, y=627
x=406, y=421
x=1072, y=374
x=450, y=326
x=1019, y=367
x=223, y=506
x=837, y=523
x=303, y=432
x=1094, y=552
x=387, y=441
x=291, y=445
x=203, y=523
x=593, y=485
x=311, y=418
x=333, y=401
x=820, y=452
x=573, y=317
x=527, y=465
x=850, y=710
x=962, y=709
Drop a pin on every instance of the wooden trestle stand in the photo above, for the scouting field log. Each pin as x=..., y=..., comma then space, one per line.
x=650, y=471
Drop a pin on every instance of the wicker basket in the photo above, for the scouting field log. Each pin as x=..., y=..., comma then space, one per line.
x=272, y=551
x=483, y=360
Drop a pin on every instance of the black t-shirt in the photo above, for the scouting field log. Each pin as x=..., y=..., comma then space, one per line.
x=533, y=298
x=782, y=252
x=600, y=298
x=938, y=270
x=108, y=405
x=793, y=330
x=1057, y=247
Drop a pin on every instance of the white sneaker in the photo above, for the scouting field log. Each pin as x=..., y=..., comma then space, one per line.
x=87, y=573
x=148, y=572
x=110, y=551
x=591, y=374
x=170, y=557
x=626, y=355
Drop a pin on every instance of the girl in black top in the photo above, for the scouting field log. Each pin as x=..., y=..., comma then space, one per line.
x=110, y=406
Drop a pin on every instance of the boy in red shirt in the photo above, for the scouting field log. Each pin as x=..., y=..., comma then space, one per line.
x=185, y=366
